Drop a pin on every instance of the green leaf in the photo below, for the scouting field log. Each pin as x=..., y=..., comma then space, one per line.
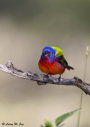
x=64, y=116
x=42, y=126
x=61, y=125
x=48, y=124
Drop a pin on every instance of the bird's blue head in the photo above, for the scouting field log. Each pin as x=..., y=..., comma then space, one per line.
x=48, y=53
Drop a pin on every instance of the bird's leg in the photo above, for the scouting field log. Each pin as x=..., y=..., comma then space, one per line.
x=46, y=76
x=59, y=79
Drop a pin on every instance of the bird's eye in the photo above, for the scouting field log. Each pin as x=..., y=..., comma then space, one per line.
x=46, y=54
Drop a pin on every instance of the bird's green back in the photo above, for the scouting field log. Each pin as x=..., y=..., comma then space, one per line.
x=62, y=61
x=58, y=51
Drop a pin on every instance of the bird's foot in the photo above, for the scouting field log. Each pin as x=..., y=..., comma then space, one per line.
x=45, y=76
x=59, y=79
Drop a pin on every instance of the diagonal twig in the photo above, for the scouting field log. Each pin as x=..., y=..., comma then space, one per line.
x=42, y=79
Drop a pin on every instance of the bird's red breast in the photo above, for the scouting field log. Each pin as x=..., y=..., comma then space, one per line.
x=51, y=68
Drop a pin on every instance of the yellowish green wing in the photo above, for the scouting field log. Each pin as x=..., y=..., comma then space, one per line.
x=58, y=51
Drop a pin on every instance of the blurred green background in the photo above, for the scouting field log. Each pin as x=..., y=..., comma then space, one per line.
x=26, y=26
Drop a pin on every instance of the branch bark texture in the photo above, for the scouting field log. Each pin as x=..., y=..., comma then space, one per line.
x=42, y=79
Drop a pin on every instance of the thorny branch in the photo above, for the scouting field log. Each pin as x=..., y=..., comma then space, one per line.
x=42, y=79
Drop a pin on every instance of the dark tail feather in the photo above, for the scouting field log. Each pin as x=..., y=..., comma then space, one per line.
x=69, y=67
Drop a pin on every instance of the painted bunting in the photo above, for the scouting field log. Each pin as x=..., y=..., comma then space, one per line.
x=52, y=61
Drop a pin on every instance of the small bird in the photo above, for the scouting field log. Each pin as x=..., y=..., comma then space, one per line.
x=52, y=61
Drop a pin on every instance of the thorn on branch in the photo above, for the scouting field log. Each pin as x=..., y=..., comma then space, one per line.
x=78, y=80
x=9, y=64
